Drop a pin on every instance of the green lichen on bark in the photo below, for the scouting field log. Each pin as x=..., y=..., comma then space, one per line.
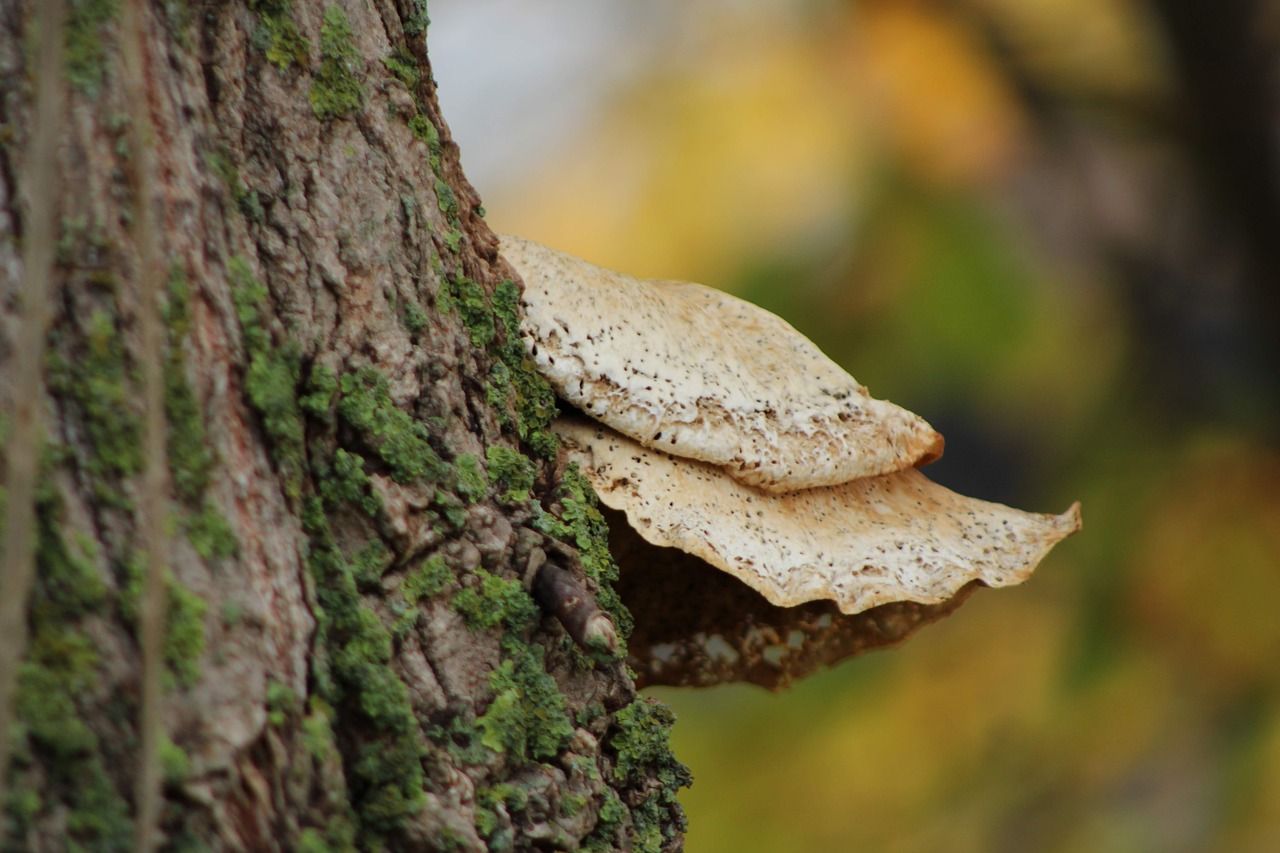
x=427, y=580
x=383, y=755
x=248, y=201
x=396, y=438
x=403, y=66
x=494, y=600
x=511, y=472
x=58, y=675
x=472, y=483
x=339, y=831
x=272, y=376
x=417, y=22
x=184, y=628
x=343, y=480
x=527, y=719
x=192, y=459
x=642, y=741
x=277, y=36
x=514, y=388
x=92, y=378
x=336, y=90
x=86, y=50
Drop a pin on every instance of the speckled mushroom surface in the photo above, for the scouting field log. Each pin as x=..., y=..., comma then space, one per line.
x=871, y=541
x=701, y=374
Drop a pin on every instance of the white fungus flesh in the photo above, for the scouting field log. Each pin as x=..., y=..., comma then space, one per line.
x=872, y=541
x=698, y=373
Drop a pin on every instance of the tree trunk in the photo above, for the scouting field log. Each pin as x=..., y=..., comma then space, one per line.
x=359, y=462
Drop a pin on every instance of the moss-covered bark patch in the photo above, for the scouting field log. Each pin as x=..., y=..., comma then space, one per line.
x=336, y=90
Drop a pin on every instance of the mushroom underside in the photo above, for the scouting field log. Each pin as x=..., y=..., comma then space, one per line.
x=697, y=626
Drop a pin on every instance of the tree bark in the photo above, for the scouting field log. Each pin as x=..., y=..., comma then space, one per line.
x=359, y=462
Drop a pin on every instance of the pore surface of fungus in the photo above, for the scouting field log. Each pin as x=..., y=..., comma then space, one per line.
x=867, y=542
x=701, y=374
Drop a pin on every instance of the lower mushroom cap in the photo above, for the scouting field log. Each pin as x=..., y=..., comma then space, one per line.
x=702, y=374
x=892, y=538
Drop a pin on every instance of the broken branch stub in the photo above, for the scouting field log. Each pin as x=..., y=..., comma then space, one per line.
x=698, y=373
x=892, y=538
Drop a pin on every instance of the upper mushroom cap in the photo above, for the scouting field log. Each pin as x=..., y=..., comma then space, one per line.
x=701, y=374
x=894, y=537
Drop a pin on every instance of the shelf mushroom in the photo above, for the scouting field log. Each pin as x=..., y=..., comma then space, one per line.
x=703, y=375
x=725, y=438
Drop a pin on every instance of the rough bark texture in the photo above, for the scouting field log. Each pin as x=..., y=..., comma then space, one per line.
x=359, y=462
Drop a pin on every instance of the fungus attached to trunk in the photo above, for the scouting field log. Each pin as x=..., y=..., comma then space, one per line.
x=700, y=374
x=726, y=439
x=895, y=537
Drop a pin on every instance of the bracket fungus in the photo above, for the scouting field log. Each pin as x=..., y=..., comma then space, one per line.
x=703, y=375
x=724, y=438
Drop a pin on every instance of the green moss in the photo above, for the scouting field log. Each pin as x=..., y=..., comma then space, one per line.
x=271, y=383
x=336, y=90
x=95, y=383
x=383, y=759
x=184, y=637
x=404, y=68
x=321, y=393
x=417, y=21
x=510, y=471
x=86, y=53
x=473, y=306
x=68, y=586
x=339, y=832
x=471, y=480
x=209, y=533
x=282, y=703
x=317, y=733
x=247, y=200
x=448, y=202
x=414, y=318
x=174, y=762
x=399, y=440
x=59, y=672
x=232, y=614
x=527, y=718
x=344, y=481
x=272, y=377
x=191, y=459
x=47, y=710
x=496, y=601
x=22, y=807
x=534, y=401
x=370, y=563
x=642, y=741
x=277, y=36
x=427, y=580
x=422, y=128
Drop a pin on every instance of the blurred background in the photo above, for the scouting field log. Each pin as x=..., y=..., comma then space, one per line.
x=1052, y=227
